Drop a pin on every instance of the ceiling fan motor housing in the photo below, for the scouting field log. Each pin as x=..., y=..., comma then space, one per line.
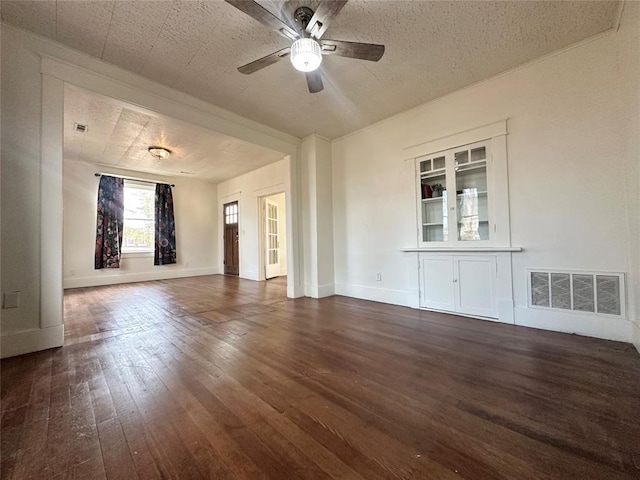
x=302, y=17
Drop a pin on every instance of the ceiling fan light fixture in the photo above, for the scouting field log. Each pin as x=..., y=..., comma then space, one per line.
x=306, y=54
x=160, y=153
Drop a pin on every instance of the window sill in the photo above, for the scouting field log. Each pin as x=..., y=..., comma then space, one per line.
x=137, y=254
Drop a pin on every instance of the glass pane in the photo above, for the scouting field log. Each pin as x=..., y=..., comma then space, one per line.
x=539, y=289
x=138, y=234
x=462, y=157
x=438, y=163
x=583, y=293
x=473, y=207
x=478, y=154
x=608, y=290
x=139, y=213
x=425, y=165
x=434, y=206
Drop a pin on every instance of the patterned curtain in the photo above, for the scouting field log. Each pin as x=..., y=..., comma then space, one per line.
x=165, y=253
x=109, y=222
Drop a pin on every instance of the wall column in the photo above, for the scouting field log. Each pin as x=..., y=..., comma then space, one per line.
x=318, y=217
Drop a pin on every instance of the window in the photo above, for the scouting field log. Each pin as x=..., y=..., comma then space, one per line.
x=139, y=224
x=231, y=214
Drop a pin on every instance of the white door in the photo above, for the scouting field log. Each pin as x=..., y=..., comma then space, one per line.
x=475, y=281
x=272, y=241
x=437, y=282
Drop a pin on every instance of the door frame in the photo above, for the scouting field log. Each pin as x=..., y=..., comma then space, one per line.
x=271, y=270
x=262, y=219
x=222, y=201
x=224, y=231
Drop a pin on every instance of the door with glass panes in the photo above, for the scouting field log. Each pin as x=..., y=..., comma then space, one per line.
x=272, y=240
x=454, y=196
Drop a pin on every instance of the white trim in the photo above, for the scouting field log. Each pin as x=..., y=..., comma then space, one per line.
x=568, y=321
x=462, y=249
x=51, y=202
x=231, y=198
x=635, y=338
x=404, y=298
x=320, y=291
x=29, y=341
x=136, y=90
x=459, y=139
x=460, y=314
x=136, y=253
x=164, y=273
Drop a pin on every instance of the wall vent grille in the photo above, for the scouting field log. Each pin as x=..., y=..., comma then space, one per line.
x=601, y=293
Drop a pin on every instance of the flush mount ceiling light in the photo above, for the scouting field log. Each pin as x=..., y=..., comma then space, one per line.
x=306, y=54
x=160, y=153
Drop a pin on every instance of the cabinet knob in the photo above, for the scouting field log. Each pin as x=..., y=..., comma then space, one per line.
x=455, y=280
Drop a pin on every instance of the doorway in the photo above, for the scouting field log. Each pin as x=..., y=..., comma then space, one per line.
x=231, y=252
x=274, y=251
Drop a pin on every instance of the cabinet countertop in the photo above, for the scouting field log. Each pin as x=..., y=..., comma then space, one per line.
x=462, y=249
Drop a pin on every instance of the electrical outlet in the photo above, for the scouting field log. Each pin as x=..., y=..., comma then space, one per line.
x=378, y=277
x=11, y=299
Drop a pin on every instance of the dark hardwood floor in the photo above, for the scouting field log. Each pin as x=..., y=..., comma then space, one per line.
x=217, y=377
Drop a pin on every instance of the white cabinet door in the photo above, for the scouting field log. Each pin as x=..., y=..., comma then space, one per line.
x=437, y=282
x=475, y=285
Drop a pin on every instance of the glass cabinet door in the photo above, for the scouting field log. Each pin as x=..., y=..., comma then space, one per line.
x=433, y=205
x=470, y=165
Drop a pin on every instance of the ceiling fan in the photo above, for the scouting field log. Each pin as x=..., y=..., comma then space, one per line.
x=308, y=45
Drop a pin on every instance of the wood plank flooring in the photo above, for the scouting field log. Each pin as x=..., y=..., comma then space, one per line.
x=221, y=378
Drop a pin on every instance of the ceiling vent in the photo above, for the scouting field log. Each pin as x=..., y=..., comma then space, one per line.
x=80, y=128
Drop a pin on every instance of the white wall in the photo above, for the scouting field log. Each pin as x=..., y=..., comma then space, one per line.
x=21, y=110
x=196, y=210
x=247, y=190
x=568, y=160
x=630, y=72
x=280, y=199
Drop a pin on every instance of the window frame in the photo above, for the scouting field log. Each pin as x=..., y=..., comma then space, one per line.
x=137, y=251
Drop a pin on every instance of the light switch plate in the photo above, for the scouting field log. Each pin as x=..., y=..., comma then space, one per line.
x=11, y=299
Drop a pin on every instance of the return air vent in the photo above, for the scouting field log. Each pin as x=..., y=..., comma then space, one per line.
x=601, y=293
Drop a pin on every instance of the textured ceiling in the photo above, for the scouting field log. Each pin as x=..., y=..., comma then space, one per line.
x=119, y=135
x=432, y=48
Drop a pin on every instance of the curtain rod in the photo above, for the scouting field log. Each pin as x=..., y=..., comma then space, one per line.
x=131, y=178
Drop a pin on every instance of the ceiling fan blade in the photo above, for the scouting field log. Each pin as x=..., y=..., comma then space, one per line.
x=326, y=11
x=362, y=51
x=265, y=17
x=314, y=81
x=264, y=61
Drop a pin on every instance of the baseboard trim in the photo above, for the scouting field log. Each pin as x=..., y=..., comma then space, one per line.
x=249, y=275
x=608, y=328
x=395, y=297
x=161, y=274
x=319, y=291
x=636, y=336
x=30, y=341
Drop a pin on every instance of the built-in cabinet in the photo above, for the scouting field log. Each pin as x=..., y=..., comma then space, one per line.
x=463, y=228
x=455, y=200
x=465, y=284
